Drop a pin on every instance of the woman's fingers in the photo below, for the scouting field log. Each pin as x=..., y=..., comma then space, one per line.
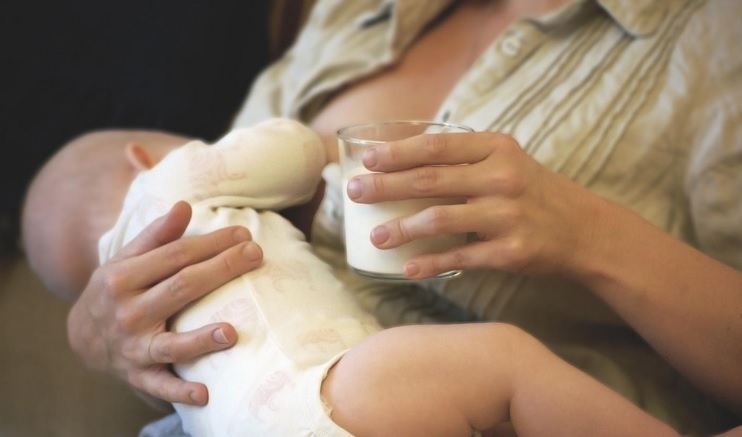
x=497, y=226
x=437, y=149
x=525, y=217
x=420, y=182
x=195, y=271
x=170, y=260
x=507, y=254
x=159, y=252
x=165, y=229
x=171, y=347
x=444, y=219
x=160, y=382
x=119, y=323
x=488, y=165
x=488, y=218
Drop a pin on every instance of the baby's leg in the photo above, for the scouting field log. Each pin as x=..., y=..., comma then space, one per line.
x=444, y=380
x=449, y=380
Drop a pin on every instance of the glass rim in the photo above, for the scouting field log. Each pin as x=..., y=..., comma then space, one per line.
x=341, y=133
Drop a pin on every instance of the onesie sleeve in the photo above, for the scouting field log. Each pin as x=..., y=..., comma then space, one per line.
x=271, y=165
x=274, y=164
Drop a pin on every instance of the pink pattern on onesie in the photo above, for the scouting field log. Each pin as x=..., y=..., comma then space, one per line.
x=208, y=170
x=264, y=396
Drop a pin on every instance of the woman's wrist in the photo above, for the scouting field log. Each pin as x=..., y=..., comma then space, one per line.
x=608, y=254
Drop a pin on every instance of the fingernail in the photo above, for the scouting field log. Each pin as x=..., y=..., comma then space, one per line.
x=252, y=251
x=241, y=234
x=355, y=188
x=194, y=397
x=380, y=234
x=411, y=269
x=369, y=158
x=219, y=337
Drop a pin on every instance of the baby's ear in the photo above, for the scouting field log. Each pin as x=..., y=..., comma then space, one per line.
x=139, y=156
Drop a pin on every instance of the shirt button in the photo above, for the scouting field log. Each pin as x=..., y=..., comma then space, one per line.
x=511, y=46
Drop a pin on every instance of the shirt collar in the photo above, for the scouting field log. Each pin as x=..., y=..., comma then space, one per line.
x=640, y=18
x=410, y=16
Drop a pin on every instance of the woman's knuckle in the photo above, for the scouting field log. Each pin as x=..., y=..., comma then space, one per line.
x=221, y=239
x=456, y=261
x=517, y=253
x=179, y=285
x=513, y=184
x=378, y=184
x=162, y=352
x=435, y=146
x=504, y=181
x=491, y=179
x=460, y=259
x=511, y=144
x=132, y=352
x=509, y=216
x=114, y=282
x=404, y=231
x=438, y=218
x=176, y=253
x=164, y=391
x=127, y=320
x=230, y=263
x=425, y=179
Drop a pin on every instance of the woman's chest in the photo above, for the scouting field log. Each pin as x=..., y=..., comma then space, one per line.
x=419, y=82
x=588, y=104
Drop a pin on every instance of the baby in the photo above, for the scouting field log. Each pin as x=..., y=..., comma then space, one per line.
x=292, y=316
x=309, y=360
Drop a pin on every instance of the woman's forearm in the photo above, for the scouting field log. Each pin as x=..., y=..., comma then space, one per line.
x=683, y=302
x=551, y=397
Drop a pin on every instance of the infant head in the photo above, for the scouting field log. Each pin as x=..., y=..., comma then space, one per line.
x=79, y=193
x=74, y=198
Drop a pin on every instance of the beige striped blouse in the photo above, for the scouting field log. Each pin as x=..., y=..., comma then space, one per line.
x=638, y=100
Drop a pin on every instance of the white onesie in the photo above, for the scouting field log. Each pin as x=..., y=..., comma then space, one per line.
x=293, y=317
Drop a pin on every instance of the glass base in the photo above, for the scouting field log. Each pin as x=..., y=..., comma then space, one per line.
x=400, y=278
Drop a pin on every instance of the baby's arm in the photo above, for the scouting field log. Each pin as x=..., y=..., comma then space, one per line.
x=274, y=164
x=448, y=380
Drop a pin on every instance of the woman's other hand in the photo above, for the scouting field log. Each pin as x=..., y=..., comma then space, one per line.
x=526, y=217
x=119, y=323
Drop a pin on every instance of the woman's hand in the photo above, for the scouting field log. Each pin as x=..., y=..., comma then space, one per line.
x=526, y=217
x=532, y=220
x=119, y=323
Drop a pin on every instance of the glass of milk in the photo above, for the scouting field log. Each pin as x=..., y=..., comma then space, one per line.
x=362, y=256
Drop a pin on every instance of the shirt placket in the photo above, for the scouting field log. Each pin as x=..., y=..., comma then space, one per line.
x=476, y=92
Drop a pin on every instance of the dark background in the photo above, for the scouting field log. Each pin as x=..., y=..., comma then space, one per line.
x=69, y=67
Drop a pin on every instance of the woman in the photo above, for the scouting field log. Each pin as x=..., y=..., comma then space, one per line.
x=601, y=186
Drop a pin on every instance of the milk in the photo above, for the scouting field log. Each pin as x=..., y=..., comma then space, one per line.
x=365, y=258
x=360, y=219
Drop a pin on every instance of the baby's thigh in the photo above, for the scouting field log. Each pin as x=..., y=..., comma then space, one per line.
x=398, y=382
